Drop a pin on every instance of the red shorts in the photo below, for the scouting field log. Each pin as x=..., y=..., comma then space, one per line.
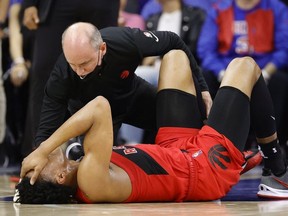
x=215, y=162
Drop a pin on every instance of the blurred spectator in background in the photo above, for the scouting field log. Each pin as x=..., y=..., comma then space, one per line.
x=16, y=74
x=19, y=71
x=3, y=14
x=129, y=19
x=153, y=6
x=180, y=18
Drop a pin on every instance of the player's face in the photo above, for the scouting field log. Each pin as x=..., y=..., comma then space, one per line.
x=56, y=162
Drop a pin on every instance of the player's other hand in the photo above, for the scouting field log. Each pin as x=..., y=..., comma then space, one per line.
x=35, y=162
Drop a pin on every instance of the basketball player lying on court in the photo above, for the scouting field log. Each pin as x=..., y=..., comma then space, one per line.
x=189, y=162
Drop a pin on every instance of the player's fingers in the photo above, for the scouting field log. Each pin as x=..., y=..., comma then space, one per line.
x=22, y=173
x=24, y=170
x=34, y=177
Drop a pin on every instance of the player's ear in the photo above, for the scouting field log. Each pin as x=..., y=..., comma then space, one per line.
x=61, y=177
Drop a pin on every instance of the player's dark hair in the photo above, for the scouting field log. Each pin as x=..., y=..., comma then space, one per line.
x=43, y=192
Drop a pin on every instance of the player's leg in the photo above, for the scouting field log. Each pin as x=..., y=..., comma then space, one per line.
x=274, y=179
x=176, y=98
x=232, y=109
x=262, y=119
x=230, y=113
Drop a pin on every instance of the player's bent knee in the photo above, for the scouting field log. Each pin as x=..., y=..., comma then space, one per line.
x=174, y=55
x=242, y=60
x=252, y=65
x=100, y=102
x=175, y=60
x=246, y=64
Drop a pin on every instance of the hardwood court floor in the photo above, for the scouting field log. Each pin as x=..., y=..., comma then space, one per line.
x=241, y=201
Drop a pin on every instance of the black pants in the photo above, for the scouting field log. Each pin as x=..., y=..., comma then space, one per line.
x=47, y=48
